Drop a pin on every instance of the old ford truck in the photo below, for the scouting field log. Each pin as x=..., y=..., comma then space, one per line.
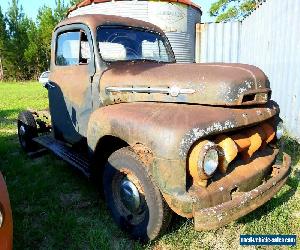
x=198, y=140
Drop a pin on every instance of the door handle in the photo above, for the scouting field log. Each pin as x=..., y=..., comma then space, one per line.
x=48, y=85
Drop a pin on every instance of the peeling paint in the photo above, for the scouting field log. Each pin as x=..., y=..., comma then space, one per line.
x=197, y=133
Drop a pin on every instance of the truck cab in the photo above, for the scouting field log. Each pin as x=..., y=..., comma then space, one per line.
x=198, y=140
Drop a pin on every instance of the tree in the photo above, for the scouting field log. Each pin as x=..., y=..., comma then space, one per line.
x=46, y=22
x=3, y=41
x=32, y=53
x=74, y=2
x=17, y=24
x=226, y=10
x=25, y=45
x=61, y=10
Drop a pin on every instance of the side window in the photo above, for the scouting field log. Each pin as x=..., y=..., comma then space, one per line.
x=72, y=48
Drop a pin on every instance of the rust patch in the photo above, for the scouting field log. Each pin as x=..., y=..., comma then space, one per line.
x=229, y=152
x=144, y=153
x=242, y=141
x=210, y=84
x=234, y=119
x=199, y=177
x=180, y=206
x=243, y=203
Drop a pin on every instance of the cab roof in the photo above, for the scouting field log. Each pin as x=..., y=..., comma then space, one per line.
x=95, y=20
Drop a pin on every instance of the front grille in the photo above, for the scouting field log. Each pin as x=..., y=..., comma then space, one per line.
x=244, y=143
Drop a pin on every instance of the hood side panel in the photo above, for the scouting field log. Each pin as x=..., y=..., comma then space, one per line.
x=210, y=84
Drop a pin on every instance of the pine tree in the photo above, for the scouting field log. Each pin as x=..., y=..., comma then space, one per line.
x=17, y=25
x=60, y=12
x=3, y=41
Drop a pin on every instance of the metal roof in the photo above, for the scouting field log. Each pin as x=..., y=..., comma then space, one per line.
x=89, y=2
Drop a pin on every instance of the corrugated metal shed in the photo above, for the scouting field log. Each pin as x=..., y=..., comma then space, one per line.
x=270, y=39
x=220, y=42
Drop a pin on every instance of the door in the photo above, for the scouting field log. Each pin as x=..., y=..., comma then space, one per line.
x=69, y=88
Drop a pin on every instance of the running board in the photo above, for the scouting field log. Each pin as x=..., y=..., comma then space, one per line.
x=65, y=152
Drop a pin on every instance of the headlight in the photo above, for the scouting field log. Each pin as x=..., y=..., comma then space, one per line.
x=208, y=160
x=1, y=217
x=203, y=161
x=279, y=130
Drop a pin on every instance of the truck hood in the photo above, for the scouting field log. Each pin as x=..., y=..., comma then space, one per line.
x=209, y=84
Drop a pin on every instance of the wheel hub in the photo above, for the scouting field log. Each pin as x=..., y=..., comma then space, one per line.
x=130, y=195
x=22, y=133
x=22, y=130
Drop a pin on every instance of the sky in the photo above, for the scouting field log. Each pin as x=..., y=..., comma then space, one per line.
x=31, y=7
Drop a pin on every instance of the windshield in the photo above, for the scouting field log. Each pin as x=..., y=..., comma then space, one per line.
x=130, y=44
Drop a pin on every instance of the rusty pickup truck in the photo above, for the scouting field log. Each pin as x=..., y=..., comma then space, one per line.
x=198, y=140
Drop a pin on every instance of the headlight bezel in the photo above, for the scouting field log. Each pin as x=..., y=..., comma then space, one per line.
x=1, y=216
x=209, y=150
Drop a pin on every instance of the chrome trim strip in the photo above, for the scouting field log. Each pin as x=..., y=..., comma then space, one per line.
x=172, y=91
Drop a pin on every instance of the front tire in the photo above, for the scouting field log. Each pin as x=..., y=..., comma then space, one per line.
x=27, y=130
x=133, y=199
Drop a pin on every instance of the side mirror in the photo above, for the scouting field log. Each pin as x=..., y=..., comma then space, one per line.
x=44, y=78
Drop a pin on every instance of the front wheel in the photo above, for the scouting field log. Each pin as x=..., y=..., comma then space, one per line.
x=133, y=199
x=27, y=130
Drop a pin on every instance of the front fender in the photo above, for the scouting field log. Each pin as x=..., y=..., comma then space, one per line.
x=169, y=130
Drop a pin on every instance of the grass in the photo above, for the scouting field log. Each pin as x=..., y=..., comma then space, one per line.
x=54, y=207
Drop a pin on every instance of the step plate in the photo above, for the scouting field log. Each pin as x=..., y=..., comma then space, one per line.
x=65, y=152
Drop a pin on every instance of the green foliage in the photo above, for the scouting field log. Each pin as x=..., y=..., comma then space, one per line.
x=3, y=41
x=226, y=10
x=46, y=23
x=24, y=44
x=61, y=10
x=74, y=2
x=3, y=32
x=17, y=24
